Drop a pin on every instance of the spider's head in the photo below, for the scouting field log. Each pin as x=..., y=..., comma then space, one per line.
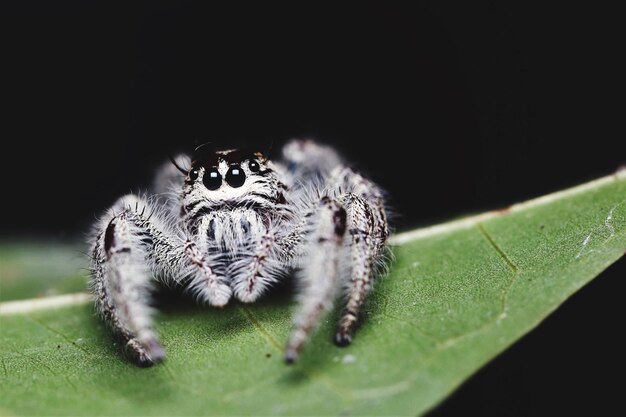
x=224, y=170
x=230, y=178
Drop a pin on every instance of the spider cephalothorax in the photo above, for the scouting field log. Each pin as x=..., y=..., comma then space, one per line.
x=232, y=224
x=229, y=180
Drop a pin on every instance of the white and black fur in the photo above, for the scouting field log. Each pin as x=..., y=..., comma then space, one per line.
x=234, y=224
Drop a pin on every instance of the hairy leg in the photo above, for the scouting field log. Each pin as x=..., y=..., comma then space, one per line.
x=254, y=273
x=307, y=162
x=367, y=229
x=131, y=246
x=366, y=248
x=319, y=273
x=121, y=279
x=205, y=283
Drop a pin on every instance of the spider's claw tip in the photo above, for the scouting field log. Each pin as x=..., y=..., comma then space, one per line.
x=156, y=352
x=290, y=357
x=144, y=362
x=145, y=355
x=343, y=339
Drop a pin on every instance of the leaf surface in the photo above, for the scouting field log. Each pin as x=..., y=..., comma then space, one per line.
x=38, y=269
x=457, y=295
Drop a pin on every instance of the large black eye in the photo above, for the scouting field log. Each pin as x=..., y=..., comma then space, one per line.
x=235, y=176
x=212, y=179
x=254, y=166
x=193, y=174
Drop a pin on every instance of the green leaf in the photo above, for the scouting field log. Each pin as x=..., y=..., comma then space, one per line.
x=456, y=296
x=37, y=269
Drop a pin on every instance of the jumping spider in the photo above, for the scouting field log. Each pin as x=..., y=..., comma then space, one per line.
x=235, y=224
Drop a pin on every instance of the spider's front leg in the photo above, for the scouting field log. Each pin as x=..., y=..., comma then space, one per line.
x=120, y=277
x=130, y=246
x=320, y=272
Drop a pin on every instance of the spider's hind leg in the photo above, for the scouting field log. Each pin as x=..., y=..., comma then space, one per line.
x=367, y=232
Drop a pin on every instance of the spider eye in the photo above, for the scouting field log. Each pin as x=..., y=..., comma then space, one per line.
x=235, y=176
x=193, y=174
x=254, y=166
x=212, y=179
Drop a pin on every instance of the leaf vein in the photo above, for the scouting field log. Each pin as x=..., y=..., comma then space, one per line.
x=4, y=368
x=497, y=248
x=58, y=333
x=276, y=344
x=504, y=302
x=268, y=336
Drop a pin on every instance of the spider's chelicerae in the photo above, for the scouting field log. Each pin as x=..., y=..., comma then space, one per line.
x=234, y=224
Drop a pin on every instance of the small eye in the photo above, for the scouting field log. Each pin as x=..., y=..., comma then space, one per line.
x=193, y=174
x=212, y=179
x=254, y=166
x=235, y=177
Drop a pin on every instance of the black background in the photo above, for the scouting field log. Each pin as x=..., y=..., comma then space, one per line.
x=452, y=108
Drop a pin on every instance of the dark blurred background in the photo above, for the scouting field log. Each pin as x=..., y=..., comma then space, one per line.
x=452, y=107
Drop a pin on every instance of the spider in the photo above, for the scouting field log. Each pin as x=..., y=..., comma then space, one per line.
x=230, y=226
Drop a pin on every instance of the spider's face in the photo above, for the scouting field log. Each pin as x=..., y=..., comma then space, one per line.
x=231, y=178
